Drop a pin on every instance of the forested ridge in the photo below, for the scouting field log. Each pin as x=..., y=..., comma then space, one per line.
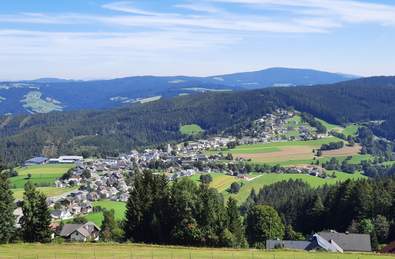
x=119, y=130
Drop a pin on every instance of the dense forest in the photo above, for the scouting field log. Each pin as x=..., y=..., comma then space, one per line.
x=119, y=130
x=363, y=206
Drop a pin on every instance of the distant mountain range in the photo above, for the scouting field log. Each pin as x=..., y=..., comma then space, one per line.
x=52, y=94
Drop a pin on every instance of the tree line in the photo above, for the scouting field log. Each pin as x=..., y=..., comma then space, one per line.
x=362, y=206
x=36, y=219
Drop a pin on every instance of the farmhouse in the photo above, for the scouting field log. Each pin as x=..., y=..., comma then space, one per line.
x=330, y=241
x=36, y=161
x=316, y=243
x=66, y=160
x=80, y=232
x=348, y=241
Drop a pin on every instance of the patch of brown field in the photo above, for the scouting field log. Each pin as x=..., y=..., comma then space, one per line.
x=345, y=151
x=288, y=153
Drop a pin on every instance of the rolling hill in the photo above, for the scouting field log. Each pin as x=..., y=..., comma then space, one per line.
x=137, y=125
x=51, y=94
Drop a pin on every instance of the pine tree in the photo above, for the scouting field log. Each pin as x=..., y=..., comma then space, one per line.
x=110, y=230
x=43, y=231
x=7, y=219
x=235, y=225
x=36, y=217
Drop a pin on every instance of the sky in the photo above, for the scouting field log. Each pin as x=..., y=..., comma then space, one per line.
x=97, y=39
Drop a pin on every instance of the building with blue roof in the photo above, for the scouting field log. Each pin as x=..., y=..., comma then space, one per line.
x=40, y=160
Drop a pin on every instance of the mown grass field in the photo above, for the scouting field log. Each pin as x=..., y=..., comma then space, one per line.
x=283, y=153
x=262, y=180
x=191, y=129
x=40, y=174
x=133, y=251
x=289, y=153
x=48, y=191
x=222, y=182
x=118, y=207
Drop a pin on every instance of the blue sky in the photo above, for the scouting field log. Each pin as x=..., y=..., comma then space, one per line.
x=91, y=39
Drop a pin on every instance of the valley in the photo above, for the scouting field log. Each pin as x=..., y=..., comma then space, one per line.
x=211, y=129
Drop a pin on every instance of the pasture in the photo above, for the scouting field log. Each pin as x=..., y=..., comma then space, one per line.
x=261, y=180
x=48, y=191
x=134, y=251
x=221, y=182
x=191, y=129
x=330, y=126
x=351, y=130
x=41, y=175
x=289, y=153
x=118, y=207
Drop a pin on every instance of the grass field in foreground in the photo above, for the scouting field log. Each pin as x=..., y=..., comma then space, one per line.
x=191, y=129
x=40, y=174
x=118, y=207
x=48, y=191
x=132, y=251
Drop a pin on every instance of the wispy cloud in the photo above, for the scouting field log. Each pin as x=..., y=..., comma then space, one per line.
x=200, y=7
x=342, y=10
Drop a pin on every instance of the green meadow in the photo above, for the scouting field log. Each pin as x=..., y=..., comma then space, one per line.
x=118, y=207
x=48, y=191
x=261, y=180
x=42, y=175
x=191, y=129
x=134, y=251
x=222, y=182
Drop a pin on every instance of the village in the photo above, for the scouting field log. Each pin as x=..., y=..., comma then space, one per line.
x=98, y=179
x=107, y=178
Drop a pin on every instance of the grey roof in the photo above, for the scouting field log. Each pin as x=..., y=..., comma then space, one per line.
x=288, y=244
x=69, y=228
x=320, y=242
x=37, y=160
x=349, y=242
x=83, y=229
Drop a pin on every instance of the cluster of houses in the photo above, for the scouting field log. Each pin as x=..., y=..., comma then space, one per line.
x=101, y=179
x=275, y=127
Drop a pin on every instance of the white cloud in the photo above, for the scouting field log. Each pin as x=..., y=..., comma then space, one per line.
x=344, y=10
x=200, y=7
x=127, y=7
